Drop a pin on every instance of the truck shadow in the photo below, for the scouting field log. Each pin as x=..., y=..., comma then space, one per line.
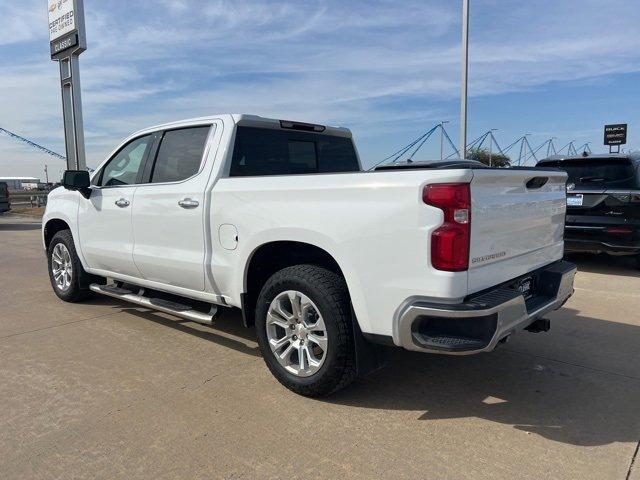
x=578, y=384
x=227, y=324
x=559, y=395
x=605, y=264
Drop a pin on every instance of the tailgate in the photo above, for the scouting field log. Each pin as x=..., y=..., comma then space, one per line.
x=517, y=223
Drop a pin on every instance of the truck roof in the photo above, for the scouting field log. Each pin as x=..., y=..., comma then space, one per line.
x=633, y=156
x=248, y=120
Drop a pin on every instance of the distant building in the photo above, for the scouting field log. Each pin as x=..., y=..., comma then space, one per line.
x=16, y=183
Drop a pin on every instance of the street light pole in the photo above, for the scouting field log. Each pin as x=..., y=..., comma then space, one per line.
x=465, y=78
x=442, y=139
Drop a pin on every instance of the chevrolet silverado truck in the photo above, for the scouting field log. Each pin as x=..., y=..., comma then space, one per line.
x=326, y=261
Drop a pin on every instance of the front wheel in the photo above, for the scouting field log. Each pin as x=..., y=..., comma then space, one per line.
x=303, y=322
x=65, y=270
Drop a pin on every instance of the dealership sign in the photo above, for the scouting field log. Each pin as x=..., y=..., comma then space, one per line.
x=66, y=26
x=61, y=18
x=615, y=134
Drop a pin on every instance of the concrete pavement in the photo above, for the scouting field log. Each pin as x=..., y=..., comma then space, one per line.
x=105, y=390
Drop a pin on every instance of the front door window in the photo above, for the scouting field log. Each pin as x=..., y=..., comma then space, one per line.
x=124, y=167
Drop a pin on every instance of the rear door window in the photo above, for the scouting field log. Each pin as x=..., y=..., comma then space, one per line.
x=180, y=154
x=598, y=173
x=262, y=151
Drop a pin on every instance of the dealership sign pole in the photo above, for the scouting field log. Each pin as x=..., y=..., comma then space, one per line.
x=67, y=41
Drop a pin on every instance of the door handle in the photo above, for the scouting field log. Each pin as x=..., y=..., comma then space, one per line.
x=122, y=202
x=188, y=203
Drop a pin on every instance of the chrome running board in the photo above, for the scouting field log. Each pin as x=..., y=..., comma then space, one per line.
x=166, y=306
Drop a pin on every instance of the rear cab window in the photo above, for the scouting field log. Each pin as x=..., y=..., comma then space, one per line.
x=264, y=151
x=598, y=173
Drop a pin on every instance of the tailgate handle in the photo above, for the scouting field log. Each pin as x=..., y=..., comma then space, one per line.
x=537, y=182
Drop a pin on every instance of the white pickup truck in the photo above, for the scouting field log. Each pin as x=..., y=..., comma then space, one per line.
x=327, y=261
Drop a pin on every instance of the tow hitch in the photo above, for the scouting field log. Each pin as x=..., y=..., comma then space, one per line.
x=540, y=325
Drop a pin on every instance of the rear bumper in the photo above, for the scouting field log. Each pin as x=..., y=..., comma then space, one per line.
x=593, y=234
x=600, y=246
x=594, y=238
x=483, y=320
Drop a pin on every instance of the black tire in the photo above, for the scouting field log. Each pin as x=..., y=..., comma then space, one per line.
x=329, y=293
x=638, y=261
x=79, y=285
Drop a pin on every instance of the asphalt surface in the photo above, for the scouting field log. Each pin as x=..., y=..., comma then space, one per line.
x=104, y=390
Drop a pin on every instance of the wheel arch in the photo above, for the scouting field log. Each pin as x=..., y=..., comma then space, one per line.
x=53, y=226
x=273, y=256
x=368, y=357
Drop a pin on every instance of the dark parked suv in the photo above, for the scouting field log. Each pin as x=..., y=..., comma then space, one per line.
x=603, y=203
x=5, y=201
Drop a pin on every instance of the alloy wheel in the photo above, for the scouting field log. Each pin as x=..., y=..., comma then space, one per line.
x=296, y=333
x=61, y=266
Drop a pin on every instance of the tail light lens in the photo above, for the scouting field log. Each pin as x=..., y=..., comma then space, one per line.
x=450, y=242
x=619, y=230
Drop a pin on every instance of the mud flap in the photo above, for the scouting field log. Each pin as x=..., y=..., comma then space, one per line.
x=370, y=357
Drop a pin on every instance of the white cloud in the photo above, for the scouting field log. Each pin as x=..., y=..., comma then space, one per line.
x=22, y=21
x=379, y=67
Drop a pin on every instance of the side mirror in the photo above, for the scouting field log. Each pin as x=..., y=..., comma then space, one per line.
x=77, y=180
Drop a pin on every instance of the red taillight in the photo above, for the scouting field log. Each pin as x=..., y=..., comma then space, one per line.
x=619, y=230
x=450, y=242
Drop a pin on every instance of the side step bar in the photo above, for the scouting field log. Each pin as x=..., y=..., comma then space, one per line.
x=177, y=309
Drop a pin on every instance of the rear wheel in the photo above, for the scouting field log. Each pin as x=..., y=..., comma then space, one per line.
x=303, y=326
x=66, y=274
x=638, y=261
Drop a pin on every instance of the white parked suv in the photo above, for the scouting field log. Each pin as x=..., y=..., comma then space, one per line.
x=328, y=261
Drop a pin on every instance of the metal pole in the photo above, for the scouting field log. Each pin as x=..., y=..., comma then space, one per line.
x=46, y=173
x=72, y=112
x=551, y=146
x=442, y=139
x=533, y=154
x=523, y=149
x=67, y=40
x=521, y=146
x=465, y=78
x=490, y=147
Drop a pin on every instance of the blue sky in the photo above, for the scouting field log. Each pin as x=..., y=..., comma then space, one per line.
x=388, y=70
